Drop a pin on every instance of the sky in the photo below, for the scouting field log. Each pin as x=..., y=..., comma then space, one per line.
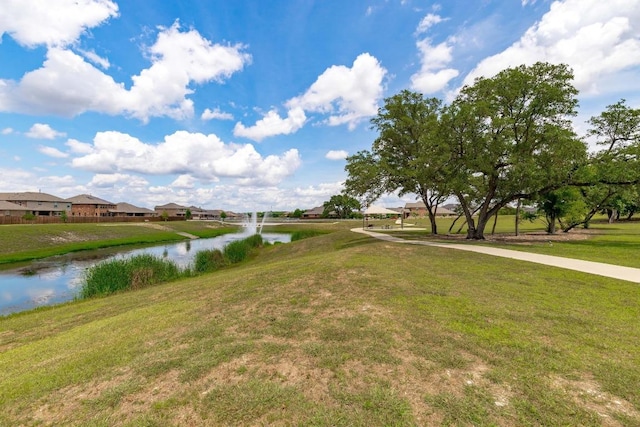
x=250, y=105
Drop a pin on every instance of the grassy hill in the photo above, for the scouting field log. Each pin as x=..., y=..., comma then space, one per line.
x=341, y=330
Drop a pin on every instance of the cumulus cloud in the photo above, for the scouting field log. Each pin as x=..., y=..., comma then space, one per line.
x=337, y=155
x=272, y=124
x=348, y=95
x=52, y=22
x=434, y=74
x=67, y=85
x=6, y=131
x=52, y=152
x=597, y=39
x=208, y=114
x=204, y=157
x=43, y=131
x=78, y=147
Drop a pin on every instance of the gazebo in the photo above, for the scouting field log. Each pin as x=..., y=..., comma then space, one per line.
x=377, y=210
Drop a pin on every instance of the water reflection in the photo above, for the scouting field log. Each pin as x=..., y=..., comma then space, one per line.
x=58, y=279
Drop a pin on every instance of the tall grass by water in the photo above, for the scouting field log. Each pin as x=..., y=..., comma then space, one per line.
x=128, y=273
x=145, y=270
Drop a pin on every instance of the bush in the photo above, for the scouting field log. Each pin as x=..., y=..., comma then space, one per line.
x=127, y=273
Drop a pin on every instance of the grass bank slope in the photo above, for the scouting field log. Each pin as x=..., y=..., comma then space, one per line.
x=33, y=241
x=341, y=330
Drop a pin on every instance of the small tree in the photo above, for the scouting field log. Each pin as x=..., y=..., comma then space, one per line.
x=164, y=215
x=342, y=205
x=223, y=215
x=188, y=214
x=297, y=213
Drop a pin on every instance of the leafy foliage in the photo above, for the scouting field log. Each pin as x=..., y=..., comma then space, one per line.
x=341, y=205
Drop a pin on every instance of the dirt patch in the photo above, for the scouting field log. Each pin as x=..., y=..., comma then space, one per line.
x=587, y=393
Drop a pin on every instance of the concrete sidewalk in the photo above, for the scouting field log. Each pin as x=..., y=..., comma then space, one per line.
x=599, y=268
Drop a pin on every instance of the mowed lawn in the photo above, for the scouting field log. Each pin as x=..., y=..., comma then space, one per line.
x=32, y=241
x=336, y=330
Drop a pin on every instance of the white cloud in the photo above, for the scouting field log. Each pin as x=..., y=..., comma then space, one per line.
x=78, y=147
x=52, y=22
x=204, y=157
x=43, y=131
x=6, y=131
x=337, y=155
x=349, y=95
x=272, y=124
x=52, y=152
x=67, y=85
x=434, y=59
x=95, y=58
x=427, y=22
x=597, y=39
x=208, y=114
x=110, y=180
x=184, y=181
x=12, y=180
x=346, y=95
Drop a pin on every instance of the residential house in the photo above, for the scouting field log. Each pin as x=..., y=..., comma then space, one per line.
x=86, y=205
x=419, y=209
x=38, y=203
x=171, y=210
x=314, y=213
x=11, y=209
x=128, y=210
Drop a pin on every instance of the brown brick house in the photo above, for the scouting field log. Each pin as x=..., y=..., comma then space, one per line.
x=86, y=205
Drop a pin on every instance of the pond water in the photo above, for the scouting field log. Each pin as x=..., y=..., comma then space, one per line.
x=58, y=279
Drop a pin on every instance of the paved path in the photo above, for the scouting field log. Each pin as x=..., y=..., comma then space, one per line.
x=608, y=270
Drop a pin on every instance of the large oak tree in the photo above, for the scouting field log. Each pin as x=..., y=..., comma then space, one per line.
x=511, y=138
x=409, y=155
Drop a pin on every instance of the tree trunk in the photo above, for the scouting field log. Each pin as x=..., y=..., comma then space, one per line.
x=495, y=221
x=432, y=220
x=551, y=227
x=518, y=218
x=478, y=232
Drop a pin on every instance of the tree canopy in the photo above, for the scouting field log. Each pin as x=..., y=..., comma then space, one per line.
x=341, y=205
x=502, y=139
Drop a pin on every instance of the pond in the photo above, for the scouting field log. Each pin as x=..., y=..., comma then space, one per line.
x=58, y=279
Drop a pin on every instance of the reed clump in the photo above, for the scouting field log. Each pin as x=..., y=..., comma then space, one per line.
x=145, y=270
x=128, y=273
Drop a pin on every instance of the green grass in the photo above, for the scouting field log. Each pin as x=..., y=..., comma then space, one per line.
x=338, y=329
x=20, y=243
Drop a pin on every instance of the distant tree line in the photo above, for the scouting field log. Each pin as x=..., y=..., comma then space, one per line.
x=503, y=140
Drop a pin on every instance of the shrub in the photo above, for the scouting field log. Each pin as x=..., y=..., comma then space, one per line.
x=127, y=273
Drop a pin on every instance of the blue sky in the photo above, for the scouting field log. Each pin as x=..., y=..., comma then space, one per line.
x=243, y=105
